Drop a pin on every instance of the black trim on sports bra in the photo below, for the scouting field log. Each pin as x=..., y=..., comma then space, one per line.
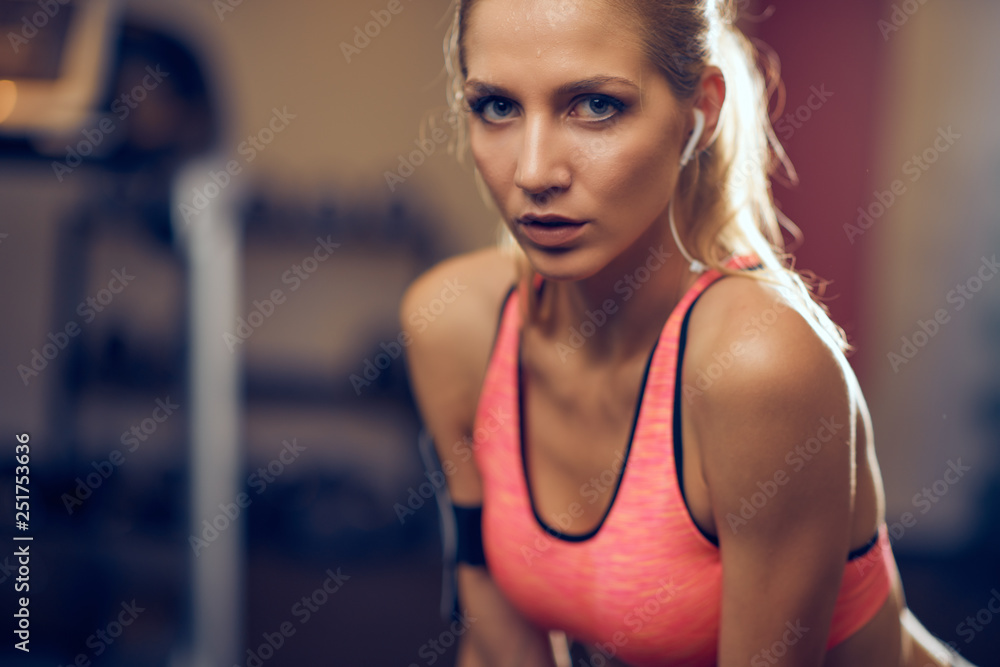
x=628, y=448
x=524, y=458
x=864, y=548
x=503, y=309
x=679, y=449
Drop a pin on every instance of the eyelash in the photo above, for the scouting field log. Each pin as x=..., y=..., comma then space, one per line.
x=478, y=106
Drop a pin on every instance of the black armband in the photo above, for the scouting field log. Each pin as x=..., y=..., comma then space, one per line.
x=469, y=535
x=461, y=532
x=463, y=542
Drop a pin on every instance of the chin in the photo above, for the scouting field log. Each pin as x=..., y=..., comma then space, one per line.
x=564, y=264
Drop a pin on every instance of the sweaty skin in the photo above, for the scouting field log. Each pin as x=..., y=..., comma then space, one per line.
x=570, y=119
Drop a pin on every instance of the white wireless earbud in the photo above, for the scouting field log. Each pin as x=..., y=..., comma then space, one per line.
x=699, y=127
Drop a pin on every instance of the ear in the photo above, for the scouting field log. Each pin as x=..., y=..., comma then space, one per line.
x=711, y=94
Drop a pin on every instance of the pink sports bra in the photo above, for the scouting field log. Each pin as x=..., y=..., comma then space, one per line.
x=645, y=585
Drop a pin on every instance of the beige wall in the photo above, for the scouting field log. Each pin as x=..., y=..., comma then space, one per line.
x=353, y=119
x=931, y=239
x=352, y=122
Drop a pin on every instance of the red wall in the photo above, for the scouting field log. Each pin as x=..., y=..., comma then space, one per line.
x=836, y=45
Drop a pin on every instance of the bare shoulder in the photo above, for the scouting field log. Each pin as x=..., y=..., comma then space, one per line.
x=449, y=315
x=771, y=413
x=759, y=331
x=756, y=360
x=484, y=275
x=450, y=311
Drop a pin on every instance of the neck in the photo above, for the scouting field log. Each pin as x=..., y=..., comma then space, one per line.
x=620, y=311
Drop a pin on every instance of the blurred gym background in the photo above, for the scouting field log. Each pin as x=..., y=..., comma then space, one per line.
x=208, y=213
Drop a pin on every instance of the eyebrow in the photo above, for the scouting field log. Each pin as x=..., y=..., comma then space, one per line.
x=483, y=89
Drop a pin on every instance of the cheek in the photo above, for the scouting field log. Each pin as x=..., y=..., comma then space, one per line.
x=495, y=164
x=631, y=169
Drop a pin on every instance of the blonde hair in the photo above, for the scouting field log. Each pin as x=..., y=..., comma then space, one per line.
x=723, y=201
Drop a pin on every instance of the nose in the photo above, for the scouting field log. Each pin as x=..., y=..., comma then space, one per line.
x=542, y=167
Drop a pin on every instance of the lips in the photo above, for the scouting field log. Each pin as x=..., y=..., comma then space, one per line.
x=550, y=231
x=548, y=220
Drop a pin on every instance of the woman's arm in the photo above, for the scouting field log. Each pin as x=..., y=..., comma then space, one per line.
x=447, y=359
x=775, y=435
x=499, y=636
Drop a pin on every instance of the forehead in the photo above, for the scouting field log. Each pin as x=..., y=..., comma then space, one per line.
x=550, y=41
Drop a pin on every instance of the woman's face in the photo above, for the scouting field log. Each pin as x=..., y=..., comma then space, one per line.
x=570, y=120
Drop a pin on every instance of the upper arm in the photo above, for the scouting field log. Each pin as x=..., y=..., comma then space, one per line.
x=776, y=439
x=449, y=317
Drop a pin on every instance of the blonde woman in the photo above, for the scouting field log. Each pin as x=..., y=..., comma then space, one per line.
x=652, y=439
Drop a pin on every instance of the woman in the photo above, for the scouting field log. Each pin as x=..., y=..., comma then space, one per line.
x=664, y=484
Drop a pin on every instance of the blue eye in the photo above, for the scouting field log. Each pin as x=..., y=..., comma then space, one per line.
x=492, y=109
x=592, y=108
x=599, y=107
